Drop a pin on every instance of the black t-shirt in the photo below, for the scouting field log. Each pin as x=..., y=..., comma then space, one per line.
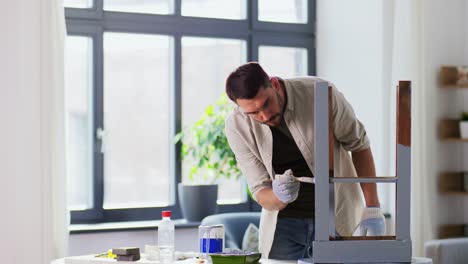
x=286, y=155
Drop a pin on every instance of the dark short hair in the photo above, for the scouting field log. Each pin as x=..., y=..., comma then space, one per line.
x=245, y=81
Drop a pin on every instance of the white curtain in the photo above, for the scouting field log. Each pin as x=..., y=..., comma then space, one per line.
x=34, y=221
x=52, y=130
x=407, y=33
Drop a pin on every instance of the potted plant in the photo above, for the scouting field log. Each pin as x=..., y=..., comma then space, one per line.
x=206, y=150
x=464, y=125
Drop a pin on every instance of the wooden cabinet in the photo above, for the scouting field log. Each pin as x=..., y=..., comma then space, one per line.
x=454, y=77
x=449, y=130
x=453, y=183
x=455, y=230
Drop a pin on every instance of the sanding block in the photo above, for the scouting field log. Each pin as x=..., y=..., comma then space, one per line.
x=125, y=251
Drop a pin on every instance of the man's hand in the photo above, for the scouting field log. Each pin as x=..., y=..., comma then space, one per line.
x=286, y=187
x=372, y=223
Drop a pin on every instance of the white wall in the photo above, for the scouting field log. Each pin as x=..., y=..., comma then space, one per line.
x=21, y=195
x=186, y=239
x=350, y=53
x=446, y=44
x=354, y=51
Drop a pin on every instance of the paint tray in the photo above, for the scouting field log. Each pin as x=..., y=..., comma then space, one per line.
x=236, y=258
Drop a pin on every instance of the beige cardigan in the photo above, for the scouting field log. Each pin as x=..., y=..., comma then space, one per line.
x=252, y=144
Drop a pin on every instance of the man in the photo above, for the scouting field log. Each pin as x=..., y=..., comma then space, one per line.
x=271, y=134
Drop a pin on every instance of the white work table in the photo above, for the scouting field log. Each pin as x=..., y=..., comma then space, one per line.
x=90, y=259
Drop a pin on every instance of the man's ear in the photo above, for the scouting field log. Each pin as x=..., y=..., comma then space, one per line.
x=275, y=83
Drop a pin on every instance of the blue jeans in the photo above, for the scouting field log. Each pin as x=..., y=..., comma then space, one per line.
x=293, y=239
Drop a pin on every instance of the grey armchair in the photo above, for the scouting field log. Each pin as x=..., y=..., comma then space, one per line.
x=235, y=225
x=447, y=251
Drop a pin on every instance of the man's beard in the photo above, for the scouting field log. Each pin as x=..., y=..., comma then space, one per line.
x=271, y=119
x=280, y=114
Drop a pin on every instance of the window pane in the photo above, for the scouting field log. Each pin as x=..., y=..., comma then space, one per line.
x=78, y=3
x=78, y=86
x=283, y=11
x=225, y=9
x=206, y=64
x=137, y=85
x=283, y=61
x=162, y=7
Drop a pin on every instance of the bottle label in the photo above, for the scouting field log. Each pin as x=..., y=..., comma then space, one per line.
x=211, y=245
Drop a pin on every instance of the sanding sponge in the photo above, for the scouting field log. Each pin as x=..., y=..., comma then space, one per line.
x=127, y=253
x=128, y=257
x=124, y=251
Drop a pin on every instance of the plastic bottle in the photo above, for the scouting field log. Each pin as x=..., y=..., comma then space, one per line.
x=166, y=238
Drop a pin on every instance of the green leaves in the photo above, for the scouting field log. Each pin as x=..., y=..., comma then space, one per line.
x=209, y=110
x=205, y=146
x=464, y=116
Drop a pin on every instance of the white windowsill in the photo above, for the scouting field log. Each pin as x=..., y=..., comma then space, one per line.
x=126, y=226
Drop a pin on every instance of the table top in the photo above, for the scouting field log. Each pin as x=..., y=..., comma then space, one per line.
x=90, y=259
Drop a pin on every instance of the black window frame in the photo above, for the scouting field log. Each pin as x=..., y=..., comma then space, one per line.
x=93, y=22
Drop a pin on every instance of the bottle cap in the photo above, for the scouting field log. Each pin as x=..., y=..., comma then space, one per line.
x=166, y=213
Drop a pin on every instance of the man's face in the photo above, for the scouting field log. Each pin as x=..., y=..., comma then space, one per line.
x=266, y=107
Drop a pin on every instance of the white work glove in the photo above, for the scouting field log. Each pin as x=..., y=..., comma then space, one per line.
x=286, y=187
x=372, y=223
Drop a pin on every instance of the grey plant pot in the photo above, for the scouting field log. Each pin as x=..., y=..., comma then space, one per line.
x=197, y=201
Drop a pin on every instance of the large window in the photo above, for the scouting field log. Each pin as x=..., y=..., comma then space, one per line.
x=138, y=71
